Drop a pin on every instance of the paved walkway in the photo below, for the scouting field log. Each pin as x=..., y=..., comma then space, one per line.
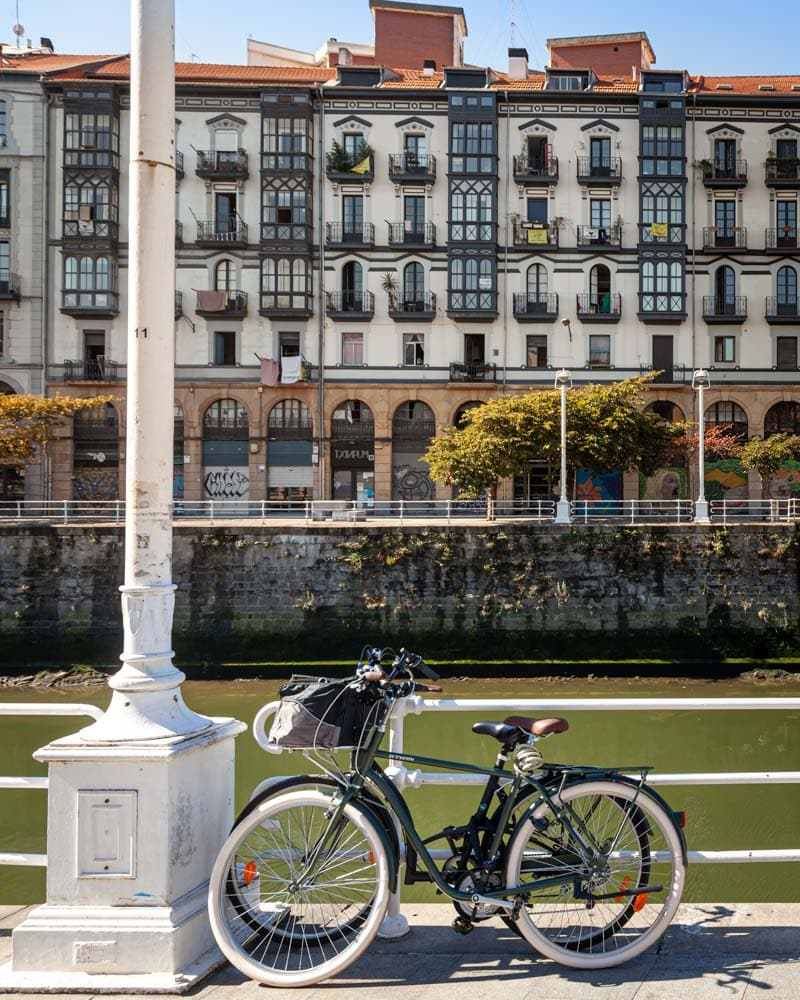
x=713, y=950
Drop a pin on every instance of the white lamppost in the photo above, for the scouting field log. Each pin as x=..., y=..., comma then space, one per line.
x=701, y=382
x=563, y=382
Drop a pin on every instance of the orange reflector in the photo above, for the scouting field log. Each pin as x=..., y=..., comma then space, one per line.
x=250, y=872
x=372, y=857
x=639, y=902
x=625, y=883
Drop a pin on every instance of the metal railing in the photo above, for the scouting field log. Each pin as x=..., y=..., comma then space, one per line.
x=423, y=234
x=600, y=168
x=362, y=233
x=415, y=705
x=412, y=165
x=540, y=509
x=536, y=304
x=27, y=782
x=725, y=236
x=221, y=163
x=349, y=302
x=732, y=306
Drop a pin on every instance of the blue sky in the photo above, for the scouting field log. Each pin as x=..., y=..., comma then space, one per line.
x=715, y=37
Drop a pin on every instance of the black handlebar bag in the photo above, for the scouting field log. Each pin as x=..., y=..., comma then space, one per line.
x=316, y=712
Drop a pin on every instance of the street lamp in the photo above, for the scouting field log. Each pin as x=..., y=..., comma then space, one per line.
x=563, y=382
x=701, y=382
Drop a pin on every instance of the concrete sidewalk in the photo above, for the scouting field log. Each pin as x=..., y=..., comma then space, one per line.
x=713, y=950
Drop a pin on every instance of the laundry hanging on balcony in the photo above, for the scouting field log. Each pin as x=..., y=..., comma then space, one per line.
x=538, y=236
x=659, y=229
x=362, y=167
x=211, y=301
x=270, y=371
x=291, y=368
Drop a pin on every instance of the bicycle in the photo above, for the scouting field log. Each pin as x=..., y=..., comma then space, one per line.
x=587, y=864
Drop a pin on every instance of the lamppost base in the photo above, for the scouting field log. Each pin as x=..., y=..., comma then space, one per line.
x=701, y=515
x=563, y=513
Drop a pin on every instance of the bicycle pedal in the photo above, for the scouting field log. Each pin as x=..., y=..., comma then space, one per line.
x=462, y=926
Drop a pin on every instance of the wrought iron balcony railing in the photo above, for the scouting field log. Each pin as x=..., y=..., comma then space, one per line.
x=406, y=233
x=599, y=169
x=350, y=303
x=782, y=170
x=225, y=230
x=414, y=167
x=218, y=163
x=93, y=370
x=472, y=371
x=782, y=308
x=337, y=233
x=229, y=303
x=536, y=305
x=599, y=236
x=728, y=174
x=725, y=236
x=730, y=307
x=544, y=168
x=781, y=239
x=599, y=305
x=416, y=304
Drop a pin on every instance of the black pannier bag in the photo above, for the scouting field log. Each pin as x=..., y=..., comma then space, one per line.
x=323, y=713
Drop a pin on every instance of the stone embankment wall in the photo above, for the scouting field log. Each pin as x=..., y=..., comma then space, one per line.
x=450, y=584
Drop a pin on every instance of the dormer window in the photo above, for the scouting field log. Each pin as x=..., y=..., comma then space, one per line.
x=567, y=81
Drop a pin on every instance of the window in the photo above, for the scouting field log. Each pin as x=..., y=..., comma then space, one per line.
x=786, y=219
x=567, y=82
x=416, y=148
x=90, y=199
x=285, y=283
x=782, y=418
x=284, y=143
x=225, y=347
x=471, y=283
x=413, y=286
x=662, y=150
x=225, y=277
x=662, y=287
x=5, y=178
x=725, y=158
x=413, y=349
x=472, y=148
x=289, y=419
x=600, y=156
x=725, y=291
x=724, y=349
x=599, y=350
x=5, y=275
x=352, y=348
x=600, y=289
x=225, y=415
x=414, y=217
x=537, y=210
x=536, y=352
x=352, y=286
x=90, y=282
x=600, y=219
x=539, y=154
x=662, y=204
x=283, y=213
x=353, y=217
x=2, y=334
x=729, y=415
x=3, y=133
x=786, y=283
x=91, y=140
x=786, y=353
x=351, y=144
x=724, y=222
x=786, y=159
x=471, y=212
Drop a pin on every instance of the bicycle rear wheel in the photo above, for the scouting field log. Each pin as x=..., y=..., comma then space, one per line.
x=295, y=897
x=622, y=872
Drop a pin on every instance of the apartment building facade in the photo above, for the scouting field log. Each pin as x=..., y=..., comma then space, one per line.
x=364, y=252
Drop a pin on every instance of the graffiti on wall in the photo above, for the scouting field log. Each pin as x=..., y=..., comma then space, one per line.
x=96, y=484
x=412, y=483
x=226, y=484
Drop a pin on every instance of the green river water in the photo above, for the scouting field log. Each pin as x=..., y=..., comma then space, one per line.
x=718, y=818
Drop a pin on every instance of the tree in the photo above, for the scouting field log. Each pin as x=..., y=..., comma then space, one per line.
x=607, y=428
x=766, y=455
x=27, y=422
x=720, y=442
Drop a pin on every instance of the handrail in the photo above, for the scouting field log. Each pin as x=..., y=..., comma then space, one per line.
x=20, y=858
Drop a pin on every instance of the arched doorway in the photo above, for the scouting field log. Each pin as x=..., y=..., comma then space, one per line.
x=729, y=415
x=353, y=452
x=225, y=451
x=12, y=477
x=352, y=287
x=413, y=426
x=461, y=415
x=600, y=289
x=725, y=291
x=95, y=455
x=782, y=418
x=289, y=451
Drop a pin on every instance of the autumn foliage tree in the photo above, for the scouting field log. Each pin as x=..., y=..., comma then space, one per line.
x=767, y=455
x=607, y=428
x=27, y=423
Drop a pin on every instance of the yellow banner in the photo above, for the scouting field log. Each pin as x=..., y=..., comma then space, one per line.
x=537, y=236
x=361, y=168
x=659, y=229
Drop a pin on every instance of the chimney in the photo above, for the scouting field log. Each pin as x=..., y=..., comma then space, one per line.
x=428, y=67
x=518, y=64
x=46, y=43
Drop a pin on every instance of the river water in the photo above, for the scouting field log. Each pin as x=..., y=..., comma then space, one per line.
x=718, y=818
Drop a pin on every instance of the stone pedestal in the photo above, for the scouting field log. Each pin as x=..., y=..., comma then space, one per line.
x=133, y=830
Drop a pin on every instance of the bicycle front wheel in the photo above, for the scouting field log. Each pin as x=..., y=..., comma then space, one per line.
x=296, y=894
x=619, y=859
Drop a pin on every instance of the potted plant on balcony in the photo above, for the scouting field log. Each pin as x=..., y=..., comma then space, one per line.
x=389, y=285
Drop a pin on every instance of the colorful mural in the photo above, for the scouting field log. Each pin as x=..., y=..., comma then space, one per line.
x=664, y=484
x=600, y=491
x=726, y=480
x=96, y=484
x=785, y=484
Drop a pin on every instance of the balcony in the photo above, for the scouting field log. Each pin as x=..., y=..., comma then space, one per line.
x=608, y=237
x=84, y=230
x=474, y=371
x=285, y=232
x=782, y=310
x=90, y=158
x=222, y=165
x=286, y=305
x=405, y=234
x=228, y=232
x=724, y=310
x=178, y=304
x=603, y=170
x=93, y=370
x=536, y=235
x=782, y=172
x=725, y=238
x=352, y=430
x=179, y=172
x=355, y=306
x=338, y=235
x=535, y=307
x=599, y=307
x=472, y=306
x=88, y=302
x=230, y=304
x=781, y=239
x=10, y=285
x=344, y=169
x=724, y=175
x=412, y=168
x=535, y=170
x=419, y=307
